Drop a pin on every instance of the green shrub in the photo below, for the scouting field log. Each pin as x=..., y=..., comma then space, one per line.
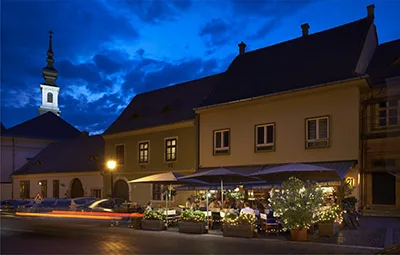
x=297, y=203
x=154, y=215
x=193, y=216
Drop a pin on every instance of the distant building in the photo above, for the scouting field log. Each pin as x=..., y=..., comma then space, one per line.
x=21, y=143
x=381, y=132
x=49, y=88
x=69, y=168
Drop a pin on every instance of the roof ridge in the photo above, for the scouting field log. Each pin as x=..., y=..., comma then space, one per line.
x=301, y=37
x=182, y=83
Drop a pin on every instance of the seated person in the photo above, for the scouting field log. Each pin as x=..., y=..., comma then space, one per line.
x=189, y=204
x=247, y=209
x=149, y=206
x=202, y=205
x=215, y=204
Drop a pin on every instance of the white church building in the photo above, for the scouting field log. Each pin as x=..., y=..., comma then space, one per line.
x=23, y=175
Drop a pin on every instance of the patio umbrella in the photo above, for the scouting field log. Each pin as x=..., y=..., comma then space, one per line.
x=301, y=171
x=168, y=179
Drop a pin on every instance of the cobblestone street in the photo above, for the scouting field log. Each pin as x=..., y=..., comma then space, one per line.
x=93, y=239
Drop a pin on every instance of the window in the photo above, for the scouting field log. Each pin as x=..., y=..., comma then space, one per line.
x=159, y=192
x=144, y=152
x=24, y=189
x=221, y=142
x=49, y=97
x=317, y=132
x=170, y=149
x=387, y=113
x=56, y=188
x=383, y=163
x=96, y=193
x=265, y=137
x=120, y=154
x=43, y=188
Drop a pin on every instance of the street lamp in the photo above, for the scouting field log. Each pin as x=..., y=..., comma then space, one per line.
x=111, y=165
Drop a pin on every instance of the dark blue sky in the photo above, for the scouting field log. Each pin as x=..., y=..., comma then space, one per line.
x=106, y=51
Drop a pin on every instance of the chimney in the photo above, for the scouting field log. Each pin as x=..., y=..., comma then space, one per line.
x=371, y=11
x=305, y=28
x=242, y=48
x=84, y=133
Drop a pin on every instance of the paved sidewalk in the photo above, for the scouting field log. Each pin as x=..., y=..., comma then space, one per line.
x=97, y=240
x=373, y=232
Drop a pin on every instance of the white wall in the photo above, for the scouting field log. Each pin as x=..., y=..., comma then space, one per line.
x=89, y=180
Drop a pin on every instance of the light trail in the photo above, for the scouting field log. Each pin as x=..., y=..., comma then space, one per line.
x=133, y=215
x=70, y=216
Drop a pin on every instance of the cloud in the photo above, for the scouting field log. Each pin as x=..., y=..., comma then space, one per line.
x=162, y=73
x=216, y=32
x=269, y=13
x=157, y=11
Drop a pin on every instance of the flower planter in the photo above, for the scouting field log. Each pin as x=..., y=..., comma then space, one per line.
x=328, y=229
x=298, y=234
x=135, y=222
x=241, y=230
x=157, y=225
x=192, y=227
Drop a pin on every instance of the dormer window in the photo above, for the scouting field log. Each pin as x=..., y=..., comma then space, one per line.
x=49, y=97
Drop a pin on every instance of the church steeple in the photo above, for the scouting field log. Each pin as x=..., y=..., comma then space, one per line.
x=49, y=88
x=49, y=73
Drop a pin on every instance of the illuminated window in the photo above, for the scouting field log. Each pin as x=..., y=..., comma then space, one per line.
x=171, y=145
x=24, y=189
x=221, y=142
x=144, y=152
x=350, y=181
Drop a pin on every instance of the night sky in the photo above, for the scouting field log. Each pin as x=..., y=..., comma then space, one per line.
x=107, y=51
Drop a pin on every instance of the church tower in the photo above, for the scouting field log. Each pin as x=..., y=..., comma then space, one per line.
x=49, y=88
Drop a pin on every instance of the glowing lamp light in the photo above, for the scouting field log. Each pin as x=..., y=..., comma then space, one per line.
x=236, y=190
x=111, y=164
x=40, y=183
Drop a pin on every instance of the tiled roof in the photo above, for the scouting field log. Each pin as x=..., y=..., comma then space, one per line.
x=316, y=59
x=45, y=126
x=82, y=154
x=163, y=106
x=385, y=62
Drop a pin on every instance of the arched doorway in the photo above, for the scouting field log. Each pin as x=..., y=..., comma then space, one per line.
x=121, y=189
x=76, y=188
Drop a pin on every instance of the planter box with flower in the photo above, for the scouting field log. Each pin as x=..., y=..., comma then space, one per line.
x=329, y=221
x=153, y=220
x=239, y=226
x=297, y=204
x=192, y=222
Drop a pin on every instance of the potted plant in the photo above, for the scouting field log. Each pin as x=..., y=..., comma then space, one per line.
x=239, y=226
x=193, y=222
x=330, y=218
x=153, y=220
x=296, y=203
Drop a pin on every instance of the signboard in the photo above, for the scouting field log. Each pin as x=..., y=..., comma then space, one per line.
x=38, y=198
